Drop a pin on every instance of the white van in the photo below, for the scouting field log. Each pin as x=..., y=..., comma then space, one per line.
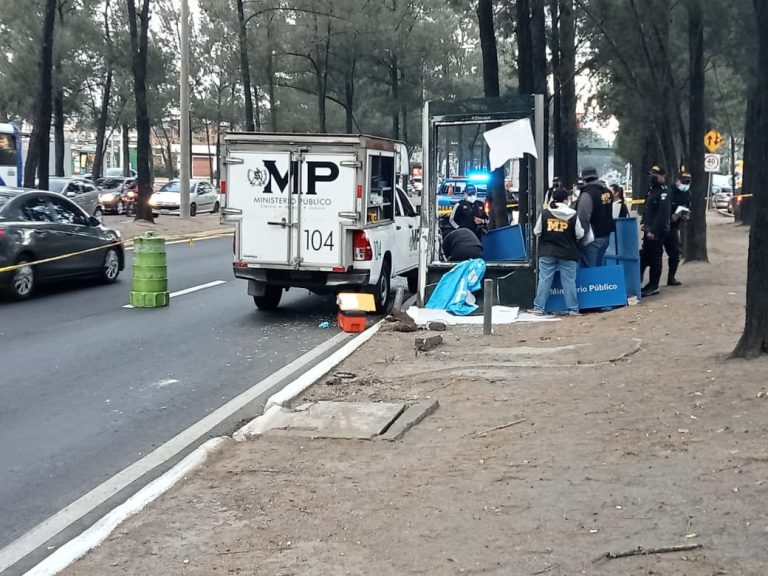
x=320, y=212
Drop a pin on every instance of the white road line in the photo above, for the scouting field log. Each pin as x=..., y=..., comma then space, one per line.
x=190, y=290
x=67, y=516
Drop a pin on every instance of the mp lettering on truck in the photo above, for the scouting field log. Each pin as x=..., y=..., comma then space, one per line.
x=317, y=172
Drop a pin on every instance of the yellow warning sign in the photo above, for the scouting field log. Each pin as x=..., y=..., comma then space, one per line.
x=713, y=140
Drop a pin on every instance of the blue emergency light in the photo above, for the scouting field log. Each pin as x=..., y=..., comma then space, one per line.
x=479, y=177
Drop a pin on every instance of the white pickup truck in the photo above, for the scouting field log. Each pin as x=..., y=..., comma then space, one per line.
x=321, y=212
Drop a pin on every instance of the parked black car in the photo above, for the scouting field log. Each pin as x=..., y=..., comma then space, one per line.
x=36, y=226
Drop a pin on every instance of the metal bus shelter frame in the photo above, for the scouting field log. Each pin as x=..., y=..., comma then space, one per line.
x=515, y=282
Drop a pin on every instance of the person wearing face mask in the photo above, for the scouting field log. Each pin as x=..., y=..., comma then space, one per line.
x=469, y=213
x=680, y=196
x=657, y=217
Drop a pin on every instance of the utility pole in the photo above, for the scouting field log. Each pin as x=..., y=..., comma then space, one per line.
x=184, y=128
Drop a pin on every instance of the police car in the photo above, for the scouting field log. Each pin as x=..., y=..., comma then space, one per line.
x=451, y=190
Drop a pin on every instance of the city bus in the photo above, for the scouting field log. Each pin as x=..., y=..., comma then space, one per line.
x=11, y=170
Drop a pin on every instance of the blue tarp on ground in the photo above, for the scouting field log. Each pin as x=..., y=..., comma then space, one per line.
x=454, y=291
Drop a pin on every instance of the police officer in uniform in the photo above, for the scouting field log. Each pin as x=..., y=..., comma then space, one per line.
x=469, y=213
x=680, y=196
x=595, y=209
x=656, y=220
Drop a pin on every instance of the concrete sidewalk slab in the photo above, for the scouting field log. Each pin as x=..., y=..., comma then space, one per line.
x=341, y=420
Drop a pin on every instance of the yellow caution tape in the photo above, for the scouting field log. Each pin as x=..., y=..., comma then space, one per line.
x=447, y=211
x=56, y=258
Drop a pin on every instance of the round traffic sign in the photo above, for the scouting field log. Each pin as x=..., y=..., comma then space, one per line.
x=712, y=162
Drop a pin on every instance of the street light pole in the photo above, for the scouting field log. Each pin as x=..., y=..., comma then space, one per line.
x=184, y=128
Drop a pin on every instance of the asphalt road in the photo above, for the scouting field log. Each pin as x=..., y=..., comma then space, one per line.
x=88, y=387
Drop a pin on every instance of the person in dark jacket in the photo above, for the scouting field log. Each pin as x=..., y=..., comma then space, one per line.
x=595, y=208
x=548, y=196
x=655, y=225
x=469, y=213
x=679, y=205
x=462, y=244
x=559, y=231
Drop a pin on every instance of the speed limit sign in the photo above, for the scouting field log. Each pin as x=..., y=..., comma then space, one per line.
x=712, y=162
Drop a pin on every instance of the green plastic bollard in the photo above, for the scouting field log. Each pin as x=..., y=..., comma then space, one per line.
x=150, y=274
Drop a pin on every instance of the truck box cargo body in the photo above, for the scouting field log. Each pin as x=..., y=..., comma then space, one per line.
x=321, y=212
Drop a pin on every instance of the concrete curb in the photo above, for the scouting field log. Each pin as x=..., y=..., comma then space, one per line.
x=96, y=534
x=285, y=396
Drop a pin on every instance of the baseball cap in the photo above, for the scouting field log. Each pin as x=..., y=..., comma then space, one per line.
x=589, y=173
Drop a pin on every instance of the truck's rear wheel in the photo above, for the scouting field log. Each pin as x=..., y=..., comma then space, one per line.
x=382, y=291
x=271, y=298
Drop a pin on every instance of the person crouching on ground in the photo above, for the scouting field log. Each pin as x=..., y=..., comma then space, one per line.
x=462, y=244
x=559, y=231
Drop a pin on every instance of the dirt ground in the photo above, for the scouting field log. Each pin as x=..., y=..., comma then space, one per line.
x=168, y=226
x=629, y=428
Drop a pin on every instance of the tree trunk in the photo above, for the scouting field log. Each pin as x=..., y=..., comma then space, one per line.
x=497, y=195
x=256, y=108
x=570, y=129
x=40, y=145
x=526, y=87
x=101, y=126
x=321, y=111
x=58, y=132
x=696, y=229
x=754, y=340
x=126, y=159
x=394, y=77
x=245, y=66
x=557, y=118
x=349, y=105
x=524, y=47
x=488, y=47
x=139, y=29
x=270, y=64
x=170, y=168
x=101, y=122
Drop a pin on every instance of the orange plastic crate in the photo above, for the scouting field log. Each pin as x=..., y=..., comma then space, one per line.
x=354, y=322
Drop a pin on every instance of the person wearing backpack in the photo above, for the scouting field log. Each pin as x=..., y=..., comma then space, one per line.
x=559, y=231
